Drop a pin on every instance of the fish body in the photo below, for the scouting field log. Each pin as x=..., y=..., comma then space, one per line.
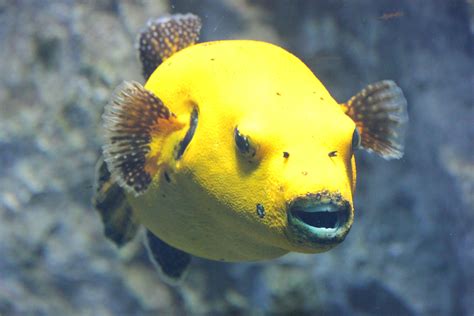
x=235, y=151
x=209, y=206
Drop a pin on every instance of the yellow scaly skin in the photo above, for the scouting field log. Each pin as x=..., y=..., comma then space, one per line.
x=209, y=207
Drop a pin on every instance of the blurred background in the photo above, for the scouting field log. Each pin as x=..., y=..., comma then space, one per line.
x=411, y=248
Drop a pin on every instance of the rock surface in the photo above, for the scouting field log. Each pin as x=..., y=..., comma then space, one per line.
x=411, y=250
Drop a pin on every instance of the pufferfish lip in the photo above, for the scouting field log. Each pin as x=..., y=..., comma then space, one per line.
x=323, y=218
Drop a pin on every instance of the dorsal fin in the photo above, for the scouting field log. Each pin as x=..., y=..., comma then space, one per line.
x=136, y=125
x=164, y=36
x=380, y=114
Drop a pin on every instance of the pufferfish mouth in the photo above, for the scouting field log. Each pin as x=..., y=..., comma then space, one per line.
x=322, y=219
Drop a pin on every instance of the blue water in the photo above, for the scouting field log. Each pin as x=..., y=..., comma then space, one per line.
x=411, y=247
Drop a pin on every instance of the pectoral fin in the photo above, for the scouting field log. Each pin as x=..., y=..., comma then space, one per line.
x=137, y=125
x=171, y=262
x=380, y=114
x=164, y=36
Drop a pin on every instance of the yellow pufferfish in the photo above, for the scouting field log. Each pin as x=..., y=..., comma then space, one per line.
x=233, y=150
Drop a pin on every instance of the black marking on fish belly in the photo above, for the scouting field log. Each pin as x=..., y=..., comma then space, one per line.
x=167, y=177
x=165, y=36
x=286, y=154
x=260, y=210
x=332, y=153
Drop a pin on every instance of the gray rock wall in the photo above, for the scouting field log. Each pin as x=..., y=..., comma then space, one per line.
x=411, y=249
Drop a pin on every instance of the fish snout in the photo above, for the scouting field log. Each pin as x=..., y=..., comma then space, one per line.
x=319, y=220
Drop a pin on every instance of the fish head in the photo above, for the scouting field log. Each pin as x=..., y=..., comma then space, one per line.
x=289, y=175
x=308, y=170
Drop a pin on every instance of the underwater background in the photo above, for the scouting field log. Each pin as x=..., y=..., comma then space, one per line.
x=411, y=248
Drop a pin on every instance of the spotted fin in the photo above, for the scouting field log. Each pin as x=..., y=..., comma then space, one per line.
x=380, y=114
x=172, y=263
x=137, y=124
x=109, y=200
x=164, y=36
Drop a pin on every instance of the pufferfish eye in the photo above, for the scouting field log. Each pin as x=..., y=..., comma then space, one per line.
x=244, y=144
x=355, y=140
